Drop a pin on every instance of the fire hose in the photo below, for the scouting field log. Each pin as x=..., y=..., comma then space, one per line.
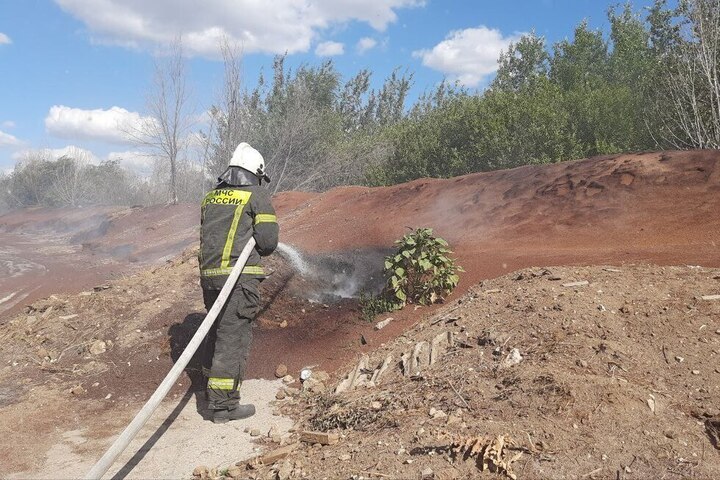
x=102, y=466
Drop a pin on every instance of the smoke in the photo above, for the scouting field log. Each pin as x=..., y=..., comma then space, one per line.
x=333, y=277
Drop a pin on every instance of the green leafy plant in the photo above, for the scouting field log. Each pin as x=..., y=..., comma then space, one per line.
x=420, y=271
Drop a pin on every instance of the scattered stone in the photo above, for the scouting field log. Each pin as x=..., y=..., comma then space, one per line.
x=427, y=473
x=447, y=474
x=273, y=431
x=291, y=391
x=376, y=405
x=77, y=390
x=108, y=396
x=284, y=471
x=695, y=372
x=201, y=471
x=671, y=434
x=384, y=323
x=288, y=379
x=278, y=454
x=437, y=413
x=283, y=324
x=581, y=363
x=345, y=457
x=98, y=347
x=454, y=420
x=280, y=395
x=356, y=377
x=68, y=317
x=234, y=471
x=255, y=432
x=323, y=438
x=710, y=297
x=679, y=359
x=576, y=284
x=513, y=358
x=281, y=371
x=313, y=385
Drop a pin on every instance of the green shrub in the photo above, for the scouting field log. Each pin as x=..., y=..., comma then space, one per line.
x=420, y=271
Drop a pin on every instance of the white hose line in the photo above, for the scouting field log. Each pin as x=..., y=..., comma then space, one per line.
x=102, y=466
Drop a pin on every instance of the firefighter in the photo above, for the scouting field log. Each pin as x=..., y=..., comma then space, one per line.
x=237, y=209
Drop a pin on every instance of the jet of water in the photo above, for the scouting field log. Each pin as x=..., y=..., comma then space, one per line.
x=295, y=257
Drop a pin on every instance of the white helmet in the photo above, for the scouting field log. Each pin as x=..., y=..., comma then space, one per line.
x=250, y=159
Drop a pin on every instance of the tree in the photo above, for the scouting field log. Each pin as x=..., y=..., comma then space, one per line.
x=522, y=64
x=166, y=129
x=692, y=80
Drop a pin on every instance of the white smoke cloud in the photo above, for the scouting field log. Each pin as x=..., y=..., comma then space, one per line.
x=286, y=26
x=71, y=151
x=4, y=39
x=469, y=55
x=109, y=125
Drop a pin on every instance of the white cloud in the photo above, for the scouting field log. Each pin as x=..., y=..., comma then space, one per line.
x=109, y=125
x=4, y=39
x=7, y=124
x=365, y=44
x=329, y=49
x=287, y=26
x=469, y=55
x=7, y=140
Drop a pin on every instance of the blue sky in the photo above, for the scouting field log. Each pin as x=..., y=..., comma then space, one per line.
x=71, y=71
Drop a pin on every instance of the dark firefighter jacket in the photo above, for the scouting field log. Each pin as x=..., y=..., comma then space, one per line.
x=230, y=215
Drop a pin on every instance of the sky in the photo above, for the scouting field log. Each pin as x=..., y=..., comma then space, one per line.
x=74, y=72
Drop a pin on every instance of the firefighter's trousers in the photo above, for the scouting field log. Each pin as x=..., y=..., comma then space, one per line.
x=227, y=344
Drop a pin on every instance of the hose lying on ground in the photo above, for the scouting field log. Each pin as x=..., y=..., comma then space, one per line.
x=102, y=466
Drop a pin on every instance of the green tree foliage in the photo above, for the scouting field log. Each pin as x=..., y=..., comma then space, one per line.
x=650, y=82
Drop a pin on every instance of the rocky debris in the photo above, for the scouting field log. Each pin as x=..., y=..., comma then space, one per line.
x=201, y=472
x=78, y=390
x=288, y=379
x=513, y=358
x=384, y=323
x=280, y=395
x=710, y=297
x=235, y=471
x=355, y=377
x=255, y=432
x=437, y=413
x=581, y=283
x=283, y=324
x=323, y=438
x=316, y=383
x=275, y=455
x=281, y=371
x=98, y=347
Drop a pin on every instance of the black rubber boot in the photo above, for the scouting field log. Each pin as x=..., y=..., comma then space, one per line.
x=237, y=413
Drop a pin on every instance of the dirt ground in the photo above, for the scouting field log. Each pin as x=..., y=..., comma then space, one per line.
x=91, y=348
x=618, y=378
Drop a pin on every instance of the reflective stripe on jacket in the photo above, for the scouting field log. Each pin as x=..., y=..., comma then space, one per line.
x=229, y=217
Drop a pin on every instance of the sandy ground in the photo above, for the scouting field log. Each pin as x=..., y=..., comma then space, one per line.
x=172, y=443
